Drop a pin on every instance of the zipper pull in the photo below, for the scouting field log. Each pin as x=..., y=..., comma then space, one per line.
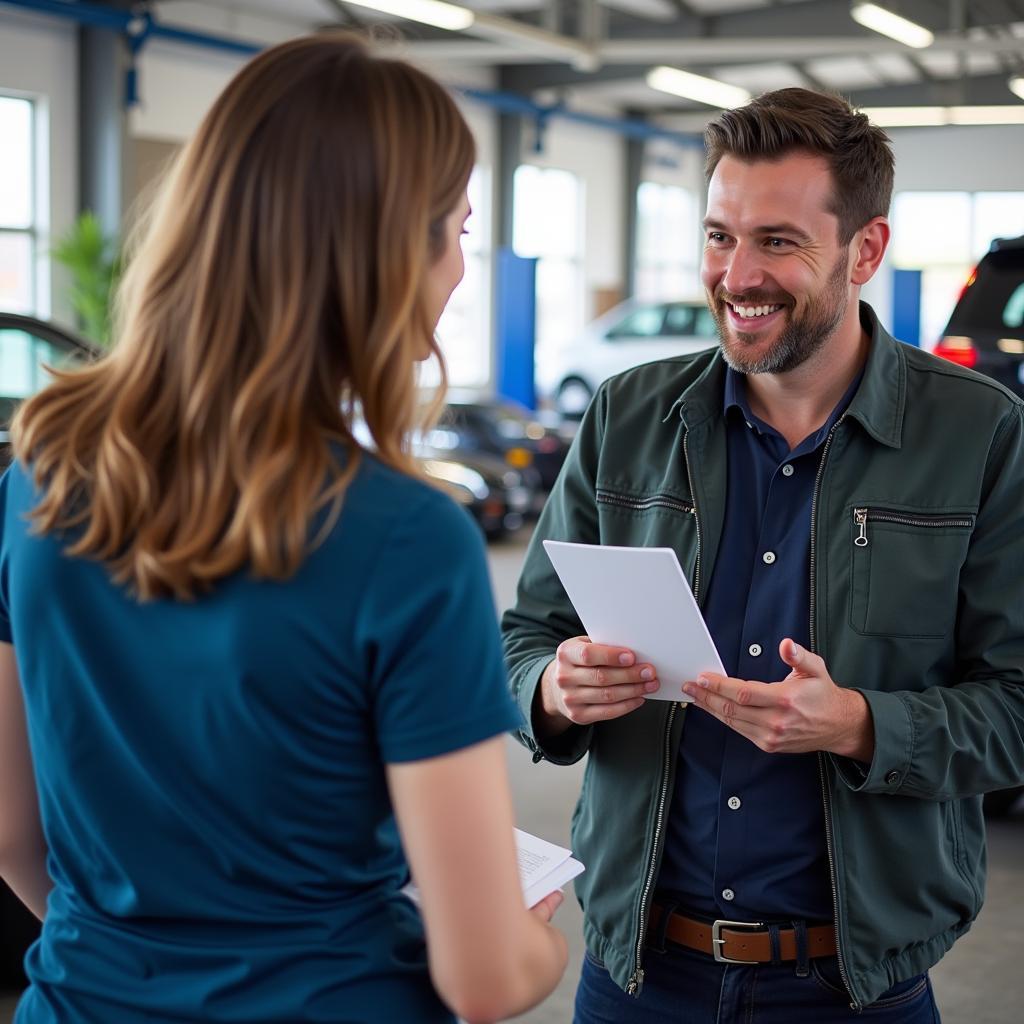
x=860, y=517
x=636, y=983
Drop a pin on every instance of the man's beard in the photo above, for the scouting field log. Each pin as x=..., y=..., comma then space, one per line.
x=800, y=338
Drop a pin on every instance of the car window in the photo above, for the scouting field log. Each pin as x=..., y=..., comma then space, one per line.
x=704, y=325
x=995, y=302
x=1013, y=312
x=678, y=320
x=23, y=361
x=641, y=323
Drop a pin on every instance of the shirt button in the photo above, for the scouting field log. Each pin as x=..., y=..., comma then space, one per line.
x=734, y=803
x=728, y=894
x=754, y=650
x=768, y=557
x=787, y=470
x=892, y=778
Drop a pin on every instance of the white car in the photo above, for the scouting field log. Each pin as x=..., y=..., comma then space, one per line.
x=630, y=334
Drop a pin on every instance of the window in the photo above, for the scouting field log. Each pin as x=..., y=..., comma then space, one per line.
x=642, y=323
x=464, y=330
x=667, y=243
x=18, y=291
x=944, y=234
x=548, y=224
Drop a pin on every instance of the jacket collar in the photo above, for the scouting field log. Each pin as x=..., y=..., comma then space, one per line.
x=878, y=405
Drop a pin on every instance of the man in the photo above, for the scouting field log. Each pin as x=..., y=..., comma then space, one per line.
x=848, y=511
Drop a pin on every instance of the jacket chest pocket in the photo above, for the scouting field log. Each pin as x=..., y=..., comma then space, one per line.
x=648, y=520
x=905, y=570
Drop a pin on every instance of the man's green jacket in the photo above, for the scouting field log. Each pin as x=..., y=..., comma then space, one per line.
x=917, y=601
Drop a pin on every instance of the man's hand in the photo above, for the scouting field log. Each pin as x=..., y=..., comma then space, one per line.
x=589, y=683
x=805, y=712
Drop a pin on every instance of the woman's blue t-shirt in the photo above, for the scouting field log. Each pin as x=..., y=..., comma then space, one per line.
x=211, y=773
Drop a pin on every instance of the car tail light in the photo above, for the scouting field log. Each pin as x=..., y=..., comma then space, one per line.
x=957, y=349
x=971, y=278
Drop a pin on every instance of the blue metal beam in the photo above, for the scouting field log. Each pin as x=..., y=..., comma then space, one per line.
x=133, y=25
x=514, y=103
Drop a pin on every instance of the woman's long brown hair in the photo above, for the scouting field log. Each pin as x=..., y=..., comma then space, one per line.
x=278, y=286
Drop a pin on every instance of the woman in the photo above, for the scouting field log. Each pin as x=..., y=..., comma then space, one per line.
x=245, y=646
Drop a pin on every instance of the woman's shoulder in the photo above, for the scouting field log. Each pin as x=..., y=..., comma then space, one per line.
x=18, y=486
x=405, y=503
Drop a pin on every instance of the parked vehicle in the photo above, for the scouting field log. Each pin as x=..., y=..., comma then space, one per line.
x=494, y=494
x=630, y=334
x=506, y=430
x=27, y=347
x=986, y=328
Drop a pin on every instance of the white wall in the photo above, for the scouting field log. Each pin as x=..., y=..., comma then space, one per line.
x=971, y=159
x=39, y=58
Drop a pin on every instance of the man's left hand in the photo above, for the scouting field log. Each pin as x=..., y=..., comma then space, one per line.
x=804, y=712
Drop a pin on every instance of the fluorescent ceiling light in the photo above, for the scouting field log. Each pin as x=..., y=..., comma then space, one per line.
x=429, y=12
x=696, y=87
x=916, y=117
x=1010, y=114
x=878, y=19
x=1016, y=85
x=906, y=117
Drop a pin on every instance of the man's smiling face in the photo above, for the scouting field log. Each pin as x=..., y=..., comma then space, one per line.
x=777, y=279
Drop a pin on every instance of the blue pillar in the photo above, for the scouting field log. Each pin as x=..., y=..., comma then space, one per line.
x=906, y=306
x=516, y=323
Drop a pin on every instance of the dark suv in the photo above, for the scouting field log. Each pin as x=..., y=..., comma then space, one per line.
x=986, y=329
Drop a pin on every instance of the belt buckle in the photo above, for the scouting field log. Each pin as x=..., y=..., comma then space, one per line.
x=717, y=942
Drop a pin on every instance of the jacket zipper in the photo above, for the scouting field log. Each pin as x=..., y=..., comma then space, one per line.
x=636, y=981
x=643, y=504
x=826, y=800
x=862, y=515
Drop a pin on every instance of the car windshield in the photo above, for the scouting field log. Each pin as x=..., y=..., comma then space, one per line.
x=508, y=421
x=995, y=302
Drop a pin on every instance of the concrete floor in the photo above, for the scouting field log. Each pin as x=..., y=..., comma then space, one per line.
x=980, y=982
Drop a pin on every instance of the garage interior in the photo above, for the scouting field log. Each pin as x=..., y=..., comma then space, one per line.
x=588, y=191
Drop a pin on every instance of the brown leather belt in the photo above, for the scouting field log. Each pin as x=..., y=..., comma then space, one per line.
x=738, y=941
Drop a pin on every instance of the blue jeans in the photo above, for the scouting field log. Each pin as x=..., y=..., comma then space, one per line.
x=684, y=987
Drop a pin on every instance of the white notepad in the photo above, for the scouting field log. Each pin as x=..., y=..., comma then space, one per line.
x=640, y=599
x=543, y=868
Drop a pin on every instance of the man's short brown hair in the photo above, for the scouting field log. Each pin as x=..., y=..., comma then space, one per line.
x=858, y=153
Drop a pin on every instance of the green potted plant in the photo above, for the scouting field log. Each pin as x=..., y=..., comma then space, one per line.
x=94, y=261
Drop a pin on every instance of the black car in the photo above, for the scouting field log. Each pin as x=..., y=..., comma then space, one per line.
x=493, y=493
x=505, y=429
x=986, y=328
x=27, y=347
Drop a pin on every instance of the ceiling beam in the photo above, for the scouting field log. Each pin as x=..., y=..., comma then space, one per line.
x=703, y=51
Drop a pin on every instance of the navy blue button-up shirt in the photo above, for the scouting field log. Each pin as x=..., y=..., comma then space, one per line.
x=746, y=833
